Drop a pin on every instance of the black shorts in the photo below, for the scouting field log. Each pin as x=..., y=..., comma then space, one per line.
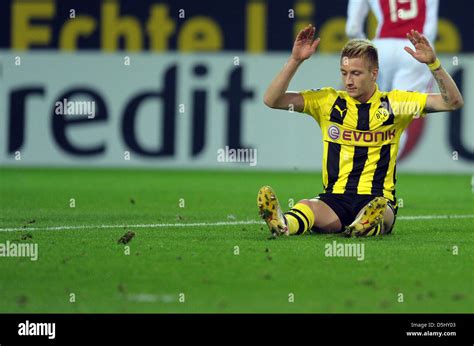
x=347, y=206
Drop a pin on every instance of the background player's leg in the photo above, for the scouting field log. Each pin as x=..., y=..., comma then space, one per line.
x=388, y=63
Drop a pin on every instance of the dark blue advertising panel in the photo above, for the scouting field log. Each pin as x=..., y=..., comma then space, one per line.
x=188, y=26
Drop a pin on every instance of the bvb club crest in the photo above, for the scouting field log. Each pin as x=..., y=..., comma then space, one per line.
x=382, y=114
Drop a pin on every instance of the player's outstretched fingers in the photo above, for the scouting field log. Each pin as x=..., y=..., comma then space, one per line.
x=303, y=34
x=410, y=38
x=310, y=35
x=425, y=40
x=410, y=51
x=315, y=43
x=309, y=30
x=417, y=36
x=421, y=39
x=313, y=30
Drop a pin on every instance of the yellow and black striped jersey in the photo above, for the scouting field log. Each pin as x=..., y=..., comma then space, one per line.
x=361, y=139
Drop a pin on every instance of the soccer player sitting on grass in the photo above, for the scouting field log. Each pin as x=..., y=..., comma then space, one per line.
x=361, y=128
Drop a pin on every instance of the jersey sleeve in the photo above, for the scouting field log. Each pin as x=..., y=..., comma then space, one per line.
x=315, y=101
x=408, y=105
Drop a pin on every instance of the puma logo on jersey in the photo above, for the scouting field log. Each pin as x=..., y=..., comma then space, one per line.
x=342, y=112
x=338, y=111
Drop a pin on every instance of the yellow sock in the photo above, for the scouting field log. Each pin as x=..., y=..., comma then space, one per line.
x=300, y=218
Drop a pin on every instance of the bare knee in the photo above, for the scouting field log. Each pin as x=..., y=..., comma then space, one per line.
x=311, y=204
x=325, y=219
x=388, y=220
x=307, y=202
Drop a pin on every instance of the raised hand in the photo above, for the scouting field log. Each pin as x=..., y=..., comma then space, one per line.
x=304, y=45
x=424, y=53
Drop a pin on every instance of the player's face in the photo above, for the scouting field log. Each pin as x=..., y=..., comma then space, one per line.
x=358, y=78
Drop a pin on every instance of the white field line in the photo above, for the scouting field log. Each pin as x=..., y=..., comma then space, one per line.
x=152, y=225
x=207, y=224
x=151, y=298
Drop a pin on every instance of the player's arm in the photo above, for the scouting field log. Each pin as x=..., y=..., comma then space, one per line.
x=277, y=95
x=450, y=97
x=357, y=11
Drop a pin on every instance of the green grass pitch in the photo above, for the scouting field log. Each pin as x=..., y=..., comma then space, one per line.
x=288, y=274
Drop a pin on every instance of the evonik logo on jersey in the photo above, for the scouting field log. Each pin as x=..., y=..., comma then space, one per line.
x=360, y=136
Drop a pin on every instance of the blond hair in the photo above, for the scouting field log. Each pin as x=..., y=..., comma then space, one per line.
x=359, y=48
